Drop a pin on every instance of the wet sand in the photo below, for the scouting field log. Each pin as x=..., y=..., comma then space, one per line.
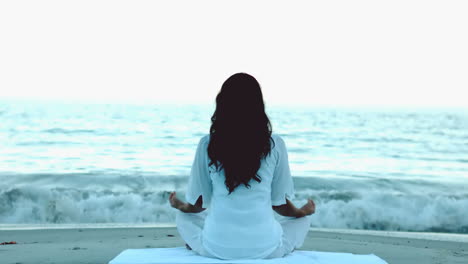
x=93, y=245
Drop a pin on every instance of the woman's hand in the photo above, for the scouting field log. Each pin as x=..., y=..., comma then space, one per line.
x=309, y=207
x=289, y=209
x=185, y=207
x=176, y=202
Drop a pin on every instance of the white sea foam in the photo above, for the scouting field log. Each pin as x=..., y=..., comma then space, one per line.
x=361, y=206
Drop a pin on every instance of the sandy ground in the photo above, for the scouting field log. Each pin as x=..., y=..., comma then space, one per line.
x=100, y=245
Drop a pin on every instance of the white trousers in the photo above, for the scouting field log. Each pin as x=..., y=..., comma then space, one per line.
x=190, y=226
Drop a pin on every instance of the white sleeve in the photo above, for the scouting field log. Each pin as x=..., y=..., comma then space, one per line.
x=282, y=186
x=199, y=180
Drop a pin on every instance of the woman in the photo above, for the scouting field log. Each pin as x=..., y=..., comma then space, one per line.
x=241, y=173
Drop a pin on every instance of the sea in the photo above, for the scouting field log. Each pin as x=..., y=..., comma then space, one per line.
x=365, y=168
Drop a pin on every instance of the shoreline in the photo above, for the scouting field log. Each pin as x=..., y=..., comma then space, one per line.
x=438, y=236
x=99, y=243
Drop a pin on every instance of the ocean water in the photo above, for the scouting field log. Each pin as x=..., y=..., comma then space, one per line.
x=379, y=169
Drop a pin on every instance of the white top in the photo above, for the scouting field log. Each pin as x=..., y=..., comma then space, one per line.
x=241, y=224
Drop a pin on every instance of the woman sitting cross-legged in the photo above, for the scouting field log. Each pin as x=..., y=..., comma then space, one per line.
x=241, y=174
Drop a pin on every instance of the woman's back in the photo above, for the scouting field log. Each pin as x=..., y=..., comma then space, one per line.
x=242, y=224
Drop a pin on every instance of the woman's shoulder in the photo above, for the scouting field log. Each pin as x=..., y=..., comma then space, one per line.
x=278, y=145
x=277, y=139
x=275, y=136
x=205, y=139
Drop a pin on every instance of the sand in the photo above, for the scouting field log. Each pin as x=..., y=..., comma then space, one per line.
x=93, y=244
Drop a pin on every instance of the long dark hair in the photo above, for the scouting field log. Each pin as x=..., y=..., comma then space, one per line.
x=240, y=132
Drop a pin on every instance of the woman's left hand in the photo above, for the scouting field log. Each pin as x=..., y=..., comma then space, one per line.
x=309, y=207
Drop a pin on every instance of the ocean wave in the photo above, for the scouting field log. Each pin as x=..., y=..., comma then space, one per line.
x=341, y=203
x=57, y=130
x=397, y=211
x=68, y=205
x=46, y=143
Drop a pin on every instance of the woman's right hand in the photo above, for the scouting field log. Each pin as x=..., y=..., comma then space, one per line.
x=309, y=207
x=176, y=202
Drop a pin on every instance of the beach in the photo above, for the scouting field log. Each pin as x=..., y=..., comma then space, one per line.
x=67, y=166
x=109, y=163
x=106, y=106
x=94, y=244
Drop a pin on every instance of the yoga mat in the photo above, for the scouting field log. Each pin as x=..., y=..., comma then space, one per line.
x=181, y=255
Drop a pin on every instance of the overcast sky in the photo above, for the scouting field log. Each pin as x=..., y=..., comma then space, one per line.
x=411, y=53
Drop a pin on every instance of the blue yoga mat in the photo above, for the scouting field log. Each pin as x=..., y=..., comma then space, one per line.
x=181, y=255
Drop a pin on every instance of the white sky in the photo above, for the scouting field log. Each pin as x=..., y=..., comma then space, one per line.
x=411, y=53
